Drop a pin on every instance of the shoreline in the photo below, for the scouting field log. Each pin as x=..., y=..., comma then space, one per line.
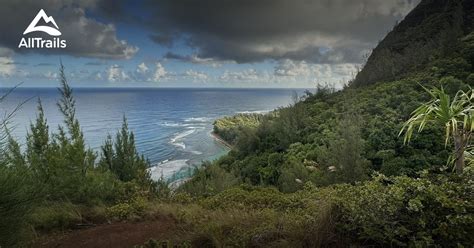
x=176, y=183
x=220, y=140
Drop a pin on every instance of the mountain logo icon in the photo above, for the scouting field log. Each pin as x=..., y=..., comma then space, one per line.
x=47, y=29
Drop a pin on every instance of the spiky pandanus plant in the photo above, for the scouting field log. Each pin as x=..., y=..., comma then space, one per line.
x=456, y=115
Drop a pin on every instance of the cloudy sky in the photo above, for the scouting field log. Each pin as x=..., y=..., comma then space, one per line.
x=191, y=43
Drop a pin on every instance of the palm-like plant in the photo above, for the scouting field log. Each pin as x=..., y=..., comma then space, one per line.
x=457, y=116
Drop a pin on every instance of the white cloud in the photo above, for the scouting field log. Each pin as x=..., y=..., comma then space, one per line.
x=160, y=73
x=195, y=59
x=292, y=68
x=196, y=75
x=50, y=75
x=142, y=68
x=245, y=75
x=116, y=74
x=302, y=71
x=7, y=67
x=289, y=73
x=94, y=39
x=98, y=76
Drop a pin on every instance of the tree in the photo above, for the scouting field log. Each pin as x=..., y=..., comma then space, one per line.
x=346, y=152
x=122, y=158
x=456, y=115
x=37, y=150
x=13, y=155
x=70, y=140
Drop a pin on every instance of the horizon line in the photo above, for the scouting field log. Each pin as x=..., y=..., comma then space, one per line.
x=149, y=87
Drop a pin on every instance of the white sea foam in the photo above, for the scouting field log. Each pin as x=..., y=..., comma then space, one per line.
x=174, y=124
x=197, y=119
x=196, y=127
x=167, y=169
x=180, y=145
x=182, y=135
x=170, y=124
x=254, y=112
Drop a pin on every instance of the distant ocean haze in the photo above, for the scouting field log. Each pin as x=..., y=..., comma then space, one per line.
x=172, y=126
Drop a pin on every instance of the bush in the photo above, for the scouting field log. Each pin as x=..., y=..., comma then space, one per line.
x=55, y=216
x=17, y=198
x=434, y=210
x=404, y=211
x=229, y=128
x=208, y=180
x=125, y=210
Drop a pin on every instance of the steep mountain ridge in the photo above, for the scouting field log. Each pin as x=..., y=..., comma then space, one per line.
x=430, y=31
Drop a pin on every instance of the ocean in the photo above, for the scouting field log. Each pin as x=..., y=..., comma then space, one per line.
x=172, y=126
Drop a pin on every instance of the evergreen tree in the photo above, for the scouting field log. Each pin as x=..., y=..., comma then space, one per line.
x=13, y=155
x=70, y=141
x=347, y=152
x=107, y=160
x=122, y=158
x=38, y=146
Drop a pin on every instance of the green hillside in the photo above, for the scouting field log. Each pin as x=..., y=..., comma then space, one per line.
x=331, y=170
x=347, y=144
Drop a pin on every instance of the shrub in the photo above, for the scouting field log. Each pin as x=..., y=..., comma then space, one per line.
x=247, y=197
x=55, y=215
x=208, y=180
x=17, y=198
x=229, y=128
x=127, y=209
x=404, y=211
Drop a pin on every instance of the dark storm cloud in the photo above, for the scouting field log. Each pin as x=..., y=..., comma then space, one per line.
x=194, y=59
x=321, y=31
x=86, y=37
x=164, y=40
x=175, y=56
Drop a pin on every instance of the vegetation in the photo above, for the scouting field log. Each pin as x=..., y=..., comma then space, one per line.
x=330, y=170
x=456, y=116
x=338, y=141
x=55, y=183
x=229, y=128
x=122, y=158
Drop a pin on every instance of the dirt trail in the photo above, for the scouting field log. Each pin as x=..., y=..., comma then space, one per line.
x=126, y=234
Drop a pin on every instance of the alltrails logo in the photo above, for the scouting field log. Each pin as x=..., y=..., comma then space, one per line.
x=38, y=42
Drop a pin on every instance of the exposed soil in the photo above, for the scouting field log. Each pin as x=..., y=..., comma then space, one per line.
x=122, y=234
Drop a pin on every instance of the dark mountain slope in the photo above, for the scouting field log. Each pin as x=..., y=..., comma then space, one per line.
x=432, y=30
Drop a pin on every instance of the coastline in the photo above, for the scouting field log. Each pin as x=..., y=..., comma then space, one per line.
x=176, y=183
x=220, y=140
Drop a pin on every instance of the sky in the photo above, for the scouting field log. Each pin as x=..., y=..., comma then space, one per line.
x=195, y=43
